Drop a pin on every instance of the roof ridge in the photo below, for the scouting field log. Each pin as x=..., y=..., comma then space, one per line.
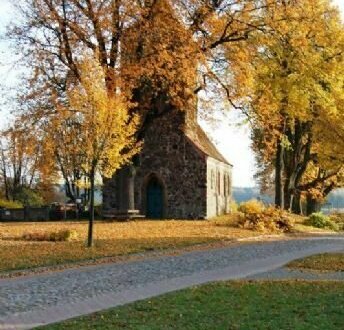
x=201, y=140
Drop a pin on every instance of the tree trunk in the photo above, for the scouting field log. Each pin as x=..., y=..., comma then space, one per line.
x=91, y=216
x=296, y=158
x=301, y=205
x=279, y=187
x=313, y=205
x=291, y=202
x=296, y=206
x=86, y=191
x=68, y=191
x=7, y=193
x=286, y=184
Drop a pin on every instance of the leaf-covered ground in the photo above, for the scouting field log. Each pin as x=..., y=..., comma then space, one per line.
x=227, y=306
x=111, y=239
x=320, y=262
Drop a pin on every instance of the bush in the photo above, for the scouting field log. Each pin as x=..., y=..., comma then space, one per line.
x=251, y=207
x=64, y=235
x=319, y=220
x=267, y=219
x=4, y=203
x=338, y=219
x=29, y=197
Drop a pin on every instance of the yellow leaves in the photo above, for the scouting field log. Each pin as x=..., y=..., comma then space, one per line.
x=293, y=71
x=320, y=262
x=298, y=71
x=4, y=203
x=100, y=128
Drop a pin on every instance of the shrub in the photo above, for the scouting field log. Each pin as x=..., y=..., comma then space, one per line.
x=269, y=219
x=319, y=220
x=30, y=197
x=338, y=219
x=64, y=235
x=10, y=204
x=251, y=207
x=36, y=236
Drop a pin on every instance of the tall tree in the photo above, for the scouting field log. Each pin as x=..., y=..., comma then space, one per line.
x=158, y=53
x=100, y=125
x=19, y=161
x=326, y=171
x=298, y=69
x=67, y=161
x=166, y=41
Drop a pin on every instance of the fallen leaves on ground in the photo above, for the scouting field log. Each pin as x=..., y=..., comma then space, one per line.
x=321, y=262
x=111, y=239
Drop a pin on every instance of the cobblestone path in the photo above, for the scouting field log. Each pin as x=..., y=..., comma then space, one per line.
x=30, y=301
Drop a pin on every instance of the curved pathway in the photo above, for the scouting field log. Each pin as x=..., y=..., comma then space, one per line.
x=35, y=300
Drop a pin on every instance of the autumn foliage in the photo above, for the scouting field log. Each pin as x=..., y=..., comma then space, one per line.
x=256, y=216
x=95, y=63
x=297, y=102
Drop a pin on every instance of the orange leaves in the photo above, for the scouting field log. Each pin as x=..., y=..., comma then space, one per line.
x=160, y=53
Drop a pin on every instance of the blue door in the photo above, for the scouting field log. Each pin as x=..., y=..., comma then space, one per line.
x=154, y=200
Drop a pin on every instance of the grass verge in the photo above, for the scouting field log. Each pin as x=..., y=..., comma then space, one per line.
x=320, y=262
x=228, y=306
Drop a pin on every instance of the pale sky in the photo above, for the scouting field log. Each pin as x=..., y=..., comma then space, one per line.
x=233, y=141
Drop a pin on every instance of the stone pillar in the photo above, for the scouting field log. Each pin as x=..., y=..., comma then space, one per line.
x=127, y=195
x=131, y=187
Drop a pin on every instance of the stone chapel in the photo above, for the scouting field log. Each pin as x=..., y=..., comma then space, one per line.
x=179, y=173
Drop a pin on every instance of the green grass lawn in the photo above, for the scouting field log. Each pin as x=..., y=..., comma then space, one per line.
x=320, y=262
x=292, y=305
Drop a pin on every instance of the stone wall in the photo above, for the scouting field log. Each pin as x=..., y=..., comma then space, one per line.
x=195, y=184
x=219, y=187
x=25, y=214
x=180, y=168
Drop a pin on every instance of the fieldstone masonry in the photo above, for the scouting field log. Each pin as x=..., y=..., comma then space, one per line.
x=180, y=174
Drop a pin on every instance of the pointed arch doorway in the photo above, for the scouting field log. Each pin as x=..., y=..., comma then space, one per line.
x=154, y=198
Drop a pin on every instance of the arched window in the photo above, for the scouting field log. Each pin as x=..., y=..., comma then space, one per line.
x=225, y=188
x=229, y=187
x=212, y=179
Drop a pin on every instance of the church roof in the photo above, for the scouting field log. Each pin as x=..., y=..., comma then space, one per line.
x=203, y=143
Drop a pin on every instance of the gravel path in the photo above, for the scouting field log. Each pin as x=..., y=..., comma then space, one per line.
x=30, y=301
